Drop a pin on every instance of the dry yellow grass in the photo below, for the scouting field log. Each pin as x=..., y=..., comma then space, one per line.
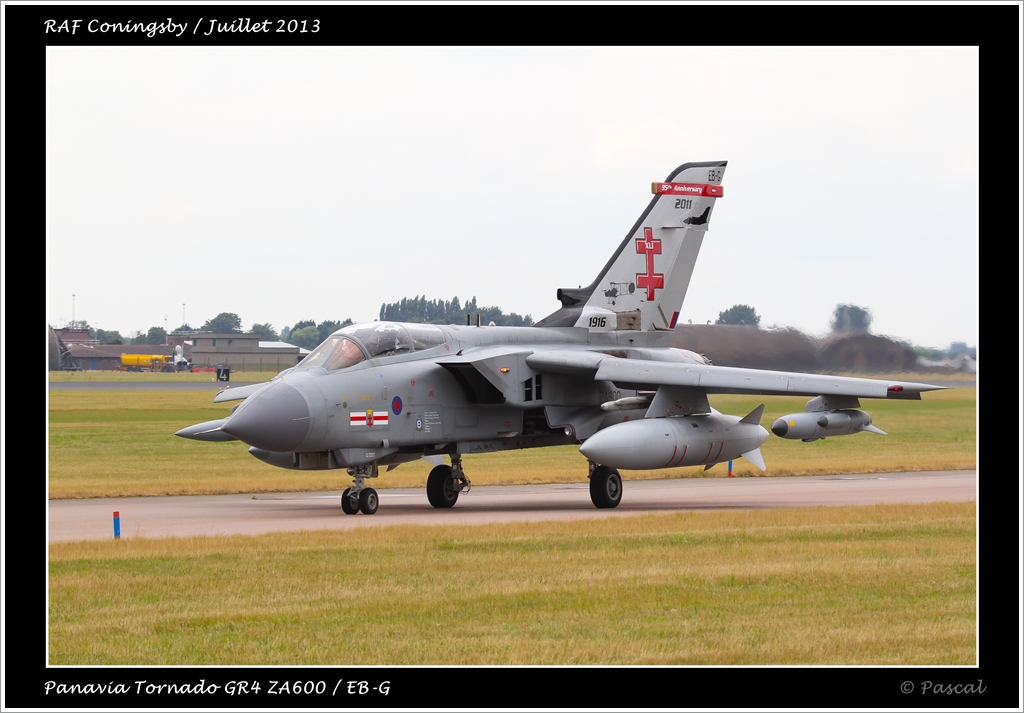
x=887, y=585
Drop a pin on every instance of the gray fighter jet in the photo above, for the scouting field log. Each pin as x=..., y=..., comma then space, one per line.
x=378, y=395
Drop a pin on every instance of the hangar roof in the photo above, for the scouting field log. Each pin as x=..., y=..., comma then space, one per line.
x=282, y=345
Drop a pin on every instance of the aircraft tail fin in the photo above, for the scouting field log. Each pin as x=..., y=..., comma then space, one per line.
x=643, y=284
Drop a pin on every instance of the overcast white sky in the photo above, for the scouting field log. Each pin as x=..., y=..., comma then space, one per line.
x=318, y=183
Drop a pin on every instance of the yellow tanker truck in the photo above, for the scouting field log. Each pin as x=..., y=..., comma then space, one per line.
x=147, y=362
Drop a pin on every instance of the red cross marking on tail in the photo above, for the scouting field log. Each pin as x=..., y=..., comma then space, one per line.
x=650, y=281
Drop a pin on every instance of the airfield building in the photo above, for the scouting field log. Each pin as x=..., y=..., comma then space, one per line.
x=243, y=352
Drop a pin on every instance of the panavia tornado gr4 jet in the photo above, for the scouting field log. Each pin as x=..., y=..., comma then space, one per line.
x=596, y=372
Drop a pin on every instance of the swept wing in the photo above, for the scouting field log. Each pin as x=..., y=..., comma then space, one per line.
x=648, y=374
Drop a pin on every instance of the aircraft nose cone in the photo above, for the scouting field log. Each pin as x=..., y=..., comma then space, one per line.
x=275, y=419
x=780, y=428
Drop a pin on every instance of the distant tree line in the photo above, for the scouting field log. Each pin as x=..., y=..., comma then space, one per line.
x=420, y=309
x=308, y=334
x=845, y=318
x=955, y=350
x=851, y=318
x=155, y=335
x=739, y=314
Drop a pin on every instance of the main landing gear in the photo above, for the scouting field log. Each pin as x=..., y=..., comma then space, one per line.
x=605, y=486
x=359, y=498
x=445, y=483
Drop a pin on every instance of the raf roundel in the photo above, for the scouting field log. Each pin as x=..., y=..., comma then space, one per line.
x=396, y=405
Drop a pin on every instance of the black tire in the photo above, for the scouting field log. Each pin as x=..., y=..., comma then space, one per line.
x=347, y=506
x=368, y=501
x=442, y=488
x=605, y=487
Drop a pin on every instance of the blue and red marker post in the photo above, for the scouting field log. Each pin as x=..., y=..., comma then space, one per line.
x=730, y=469
x=117, y=525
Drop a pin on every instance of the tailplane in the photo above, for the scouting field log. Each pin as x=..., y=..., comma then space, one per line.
x=643, y=285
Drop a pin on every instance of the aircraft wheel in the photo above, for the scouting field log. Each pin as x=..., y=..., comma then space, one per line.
x=348, y=506
x=605, y=487
x=368, y=501
x=442, y=488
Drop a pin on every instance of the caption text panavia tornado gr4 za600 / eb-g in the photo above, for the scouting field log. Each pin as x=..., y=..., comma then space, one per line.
x=596, y=372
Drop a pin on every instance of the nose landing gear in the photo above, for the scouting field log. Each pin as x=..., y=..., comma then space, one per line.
x=359, y=498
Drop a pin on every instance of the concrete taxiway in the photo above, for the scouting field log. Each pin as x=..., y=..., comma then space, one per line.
x=145, y=385
x=188, y=516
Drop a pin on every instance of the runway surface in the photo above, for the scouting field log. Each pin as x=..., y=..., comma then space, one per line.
x=92, y=519
x=145, y=385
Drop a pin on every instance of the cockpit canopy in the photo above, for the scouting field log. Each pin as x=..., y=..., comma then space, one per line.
x=353, y=344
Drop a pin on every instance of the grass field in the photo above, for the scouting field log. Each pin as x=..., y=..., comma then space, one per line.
x=885, y=585
x=888, y=585
x=122, y=443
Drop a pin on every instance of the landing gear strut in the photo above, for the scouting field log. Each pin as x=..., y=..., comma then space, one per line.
x=605, y=486
x=349, y=504
x=359, y=498
x=445, y=483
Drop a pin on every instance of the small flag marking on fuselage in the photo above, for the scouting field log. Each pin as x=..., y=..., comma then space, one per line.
x=368, y=418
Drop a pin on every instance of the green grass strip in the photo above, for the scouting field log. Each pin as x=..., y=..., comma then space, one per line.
x=886, y=585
